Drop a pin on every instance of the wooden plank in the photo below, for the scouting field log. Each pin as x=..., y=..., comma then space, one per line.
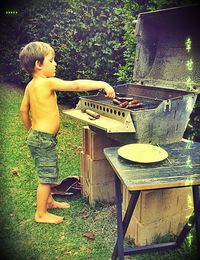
x=100, y=172
x=93, y=143
x=85, y=139
x=84, y=174
x=104, y=192
x=140, y=179
x=97, y=143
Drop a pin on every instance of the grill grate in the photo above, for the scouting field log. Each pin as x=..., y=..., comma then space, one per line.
x=148, y=103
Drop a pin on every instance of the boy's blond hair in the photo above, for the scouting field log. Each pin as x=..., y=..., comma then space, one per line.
x=32, y=52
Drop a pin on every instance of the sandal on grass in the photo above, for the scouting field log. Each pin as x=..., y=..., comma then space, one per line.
x=69, y=186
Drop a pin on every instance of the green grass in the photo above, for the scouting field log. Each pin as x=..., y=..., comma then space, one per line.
x=20, y=237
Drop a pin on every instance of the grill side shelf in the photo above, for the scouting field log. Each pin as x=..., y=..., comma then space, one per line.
x=105, y=123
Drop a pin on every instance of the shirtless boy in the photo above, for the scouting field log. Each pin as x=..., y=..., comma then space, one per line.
x=40, y=115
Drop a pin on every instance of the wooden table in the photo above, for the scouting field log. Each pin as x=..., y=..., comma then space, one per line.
x=181, y=170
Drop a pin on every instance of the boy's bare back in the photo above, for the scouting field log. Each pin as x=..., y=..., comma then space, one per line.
x=43, y=106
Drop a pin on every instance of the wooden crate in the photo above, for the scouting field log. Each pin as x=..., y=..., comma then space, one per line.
x=85, y=139
x=145, y=234
x=97, y=179
x=84, y=174
x=97, y=176
x=158, y=213
x=94, y=143
x=104, y=193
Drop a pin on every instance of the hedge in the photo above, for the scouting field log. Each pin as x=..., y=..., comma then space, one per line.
x=92, y=38
x=86, y=35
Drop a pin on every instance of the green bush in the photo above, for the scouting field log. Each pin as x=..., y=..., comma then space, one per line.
x=86, y=35
x=92, y=39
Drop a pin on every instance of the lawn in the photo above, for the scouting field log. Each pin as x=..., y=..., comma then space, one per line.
x=20, y=237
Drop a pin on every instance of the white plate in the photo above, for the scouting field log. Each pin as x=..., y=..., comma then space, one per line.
x=142, y=153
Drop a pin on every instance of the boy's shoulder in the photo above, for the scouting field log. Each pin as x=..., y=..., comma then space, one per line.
x=39, y=82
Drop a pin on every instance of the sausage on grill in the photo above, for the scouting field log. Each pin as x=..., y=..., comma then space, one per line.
x=135, y=105
x=124, y=104
x=116, y=102
x=133, y=102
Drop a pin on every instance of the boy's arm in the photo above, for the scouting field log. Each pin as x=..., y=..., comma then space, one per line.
x=80, y=85
x=25, y=110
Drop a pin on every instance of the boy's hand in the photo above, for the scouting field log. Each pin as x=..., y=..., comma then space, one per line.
x=110, y=93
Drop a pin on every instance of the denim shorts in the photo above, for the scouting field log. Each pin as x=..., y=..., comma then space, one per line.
x=43, y=151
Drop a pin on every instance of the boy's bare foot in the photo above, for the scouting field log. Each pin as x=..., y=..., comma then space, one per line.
x=48, y=218
x=59, y=205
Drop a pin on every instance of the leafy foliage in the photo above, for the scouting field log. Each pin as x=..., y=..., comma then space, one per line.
x=86, y=36
x=92, y=39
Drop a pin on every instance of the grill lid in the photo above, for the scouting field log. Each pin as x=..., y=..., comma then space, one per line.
x=168, y=48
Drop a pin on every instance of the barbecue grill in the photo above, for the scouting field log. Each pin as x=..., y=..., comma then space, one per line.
x=165, y=81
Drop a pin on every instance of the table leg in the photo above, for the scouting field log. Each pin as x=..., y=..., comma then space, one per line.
x=130, y=209
x=123, y=225
x=196, y=199
x=119, y=246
